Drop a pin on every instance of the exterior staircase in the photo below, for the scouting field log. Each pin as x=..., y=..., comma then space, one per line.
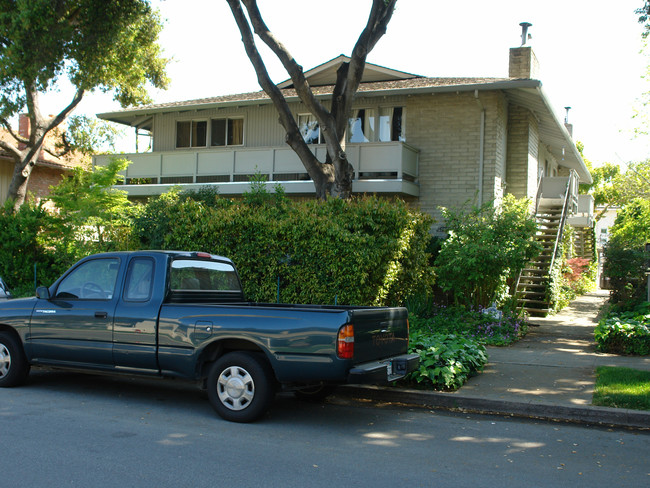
x=557, y=200
x=534, y=279
x=584, y=243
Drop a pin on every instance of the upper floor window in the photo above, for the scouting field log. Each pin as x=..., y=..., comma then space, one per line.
x=382, y=124
x=223, y=132
x=191, y=133
x=227, y=132
x=309, y=128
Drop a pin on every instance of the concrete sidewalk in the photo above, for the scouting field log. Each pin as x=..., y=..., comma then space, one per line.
x=550, y=374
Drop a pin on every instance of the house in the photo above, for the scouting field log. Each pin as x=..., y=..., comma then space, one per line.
x=430, y=141
x=47, y=172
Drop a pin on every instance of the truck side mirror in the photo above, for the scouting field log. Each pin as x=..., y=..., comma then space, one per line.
x=43, y=292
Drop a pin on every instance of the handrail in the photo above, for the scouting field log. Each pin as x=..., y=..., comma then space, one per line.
x=568, y=195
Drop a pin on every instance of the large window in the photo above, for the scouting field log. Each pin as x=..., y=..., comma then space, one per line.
x=191, y=133
x=223, y=132
x=227, y=132
x=365, y=126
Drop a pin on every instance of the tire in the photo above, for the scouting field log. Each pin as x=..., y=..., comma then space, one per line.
x=241, y=386
x=316, y=393
x=14, y=367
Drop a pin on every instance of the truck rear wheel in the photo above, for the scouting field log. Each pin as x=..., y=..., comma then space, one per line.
x=14, y=367
x=241, y=386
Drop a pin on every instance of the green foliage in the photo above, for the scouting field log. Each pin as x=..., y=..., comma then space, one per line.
x=446, y=361
x=28, y=240
x=486, y=249
x=92, y=213
x=363, y=252
x=88, y=135
x=625, y=333
x=484, y=326
x=105, y=45
x=625, y=257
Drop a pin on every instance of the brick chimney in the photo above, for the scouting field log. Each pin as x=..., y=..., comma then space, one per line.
x=523, y=62
x=24, y=126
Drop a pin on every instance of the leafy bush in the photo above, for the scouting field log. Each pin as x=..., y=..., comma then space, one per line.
x=367, y=251
x=487, y=328
x=625, y=259
x=626, y=333
x=446, y=361
x=486, y=249
x=28, y=252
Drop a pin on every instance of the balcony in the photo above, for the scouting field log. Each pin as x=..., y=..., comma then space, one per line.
x=584, y=217
x=382, y=167
x=553, y=192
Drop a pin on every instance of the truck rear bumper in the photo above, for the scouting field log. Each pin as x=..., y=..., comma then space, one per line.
x=384, y=371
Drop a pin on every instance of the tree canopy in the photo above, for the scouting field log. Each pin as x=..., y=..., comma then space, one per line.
x=107, y=46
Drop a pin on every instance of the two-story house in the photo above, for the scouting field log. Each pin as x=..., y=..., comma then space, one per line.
x=430, y=141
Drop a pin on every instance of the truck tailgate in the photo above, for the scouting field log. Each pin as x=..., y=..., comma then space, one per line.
x=379, y=333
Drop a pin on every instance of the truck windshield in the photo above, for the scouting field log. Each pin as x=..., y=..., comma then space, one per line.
x=214, y=276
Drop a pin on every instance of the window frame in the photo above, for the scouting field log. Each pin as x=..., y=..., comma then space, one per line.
x=192, y=144
x=227, y=131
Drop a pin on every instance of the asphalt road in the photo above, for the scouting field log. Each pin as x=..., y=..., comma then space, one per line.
x=67, y=429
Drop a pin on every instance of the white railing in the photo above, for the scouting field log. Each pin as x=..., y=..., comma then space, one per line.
x=584, y=217
x=394, y=163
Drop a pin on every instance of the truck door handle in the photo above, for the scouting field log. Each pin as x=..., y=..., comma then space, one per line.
x=101, y=315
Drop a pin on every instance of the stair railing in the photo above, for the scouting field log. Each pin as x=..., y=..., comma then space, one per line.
x=569, y=197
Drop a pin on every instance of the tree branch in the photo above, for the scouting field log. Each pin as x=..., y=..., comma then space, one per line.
x=312, y=165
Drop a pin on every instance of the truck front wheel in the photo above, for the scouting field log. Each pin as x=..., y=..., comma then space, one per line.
x=240, y=386
x=14, y=367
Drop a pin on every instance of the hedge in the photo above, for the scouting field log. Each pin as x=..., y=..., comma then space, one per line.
x=367, y=251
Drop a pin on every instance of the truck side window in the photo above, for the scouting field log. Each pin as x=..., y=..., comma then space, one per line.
x=139, y=280
x=92, y=280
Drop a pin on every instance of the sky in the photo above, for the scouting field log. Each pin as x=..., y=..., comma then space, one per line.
x=589, y=54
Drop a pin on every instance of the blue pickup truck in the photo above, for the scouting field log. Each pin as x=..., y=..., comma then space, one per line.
x=184, y=314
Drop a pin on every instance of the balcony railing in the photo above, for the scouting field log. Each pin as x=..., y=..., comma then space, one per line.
x=554, y=190
x=584, y=217
x=386, y=167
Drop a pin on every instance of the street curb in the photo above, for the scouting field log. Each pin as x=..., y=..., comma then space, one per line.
x=615, y=417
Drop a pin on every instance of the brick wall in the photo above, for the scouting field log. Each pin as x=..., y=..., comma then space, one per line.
x=446, y=129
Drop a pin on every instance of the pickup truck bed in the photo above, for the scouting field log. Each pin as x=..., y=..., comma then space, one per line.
x=183, y=314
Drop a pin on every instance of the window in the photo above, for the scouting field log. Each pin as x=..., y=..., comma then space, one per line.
x=227, y=132
x=309, y=128
x=365, y=126
x=390, y=124
x=362, y=126
x=213, y=276
x=92, y=280
x=139, y=280
x=191, y=133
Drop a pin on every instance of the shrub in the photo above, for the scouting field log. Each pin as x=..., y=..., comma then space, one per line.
x=446, y=361
x=486, y=249
x=625, y=259
x=28, y=253
x=367, y=251
x=626, y=333
x=499, y=329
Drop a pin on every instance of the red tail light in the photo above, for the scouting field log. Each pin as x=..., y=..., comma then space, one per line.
x=345, y=342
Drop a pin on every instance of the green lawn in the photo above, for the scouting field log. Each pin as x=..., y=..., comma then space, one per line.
x=622, y=388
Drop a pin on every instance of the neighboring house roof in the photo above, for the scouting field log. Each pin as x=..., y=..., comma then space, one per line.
x=46, y=159
x=380, y=81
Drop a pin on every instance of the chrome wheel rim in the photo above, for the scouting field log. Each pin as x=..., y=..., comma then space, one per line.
x=236, y=388
x=5, y=360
